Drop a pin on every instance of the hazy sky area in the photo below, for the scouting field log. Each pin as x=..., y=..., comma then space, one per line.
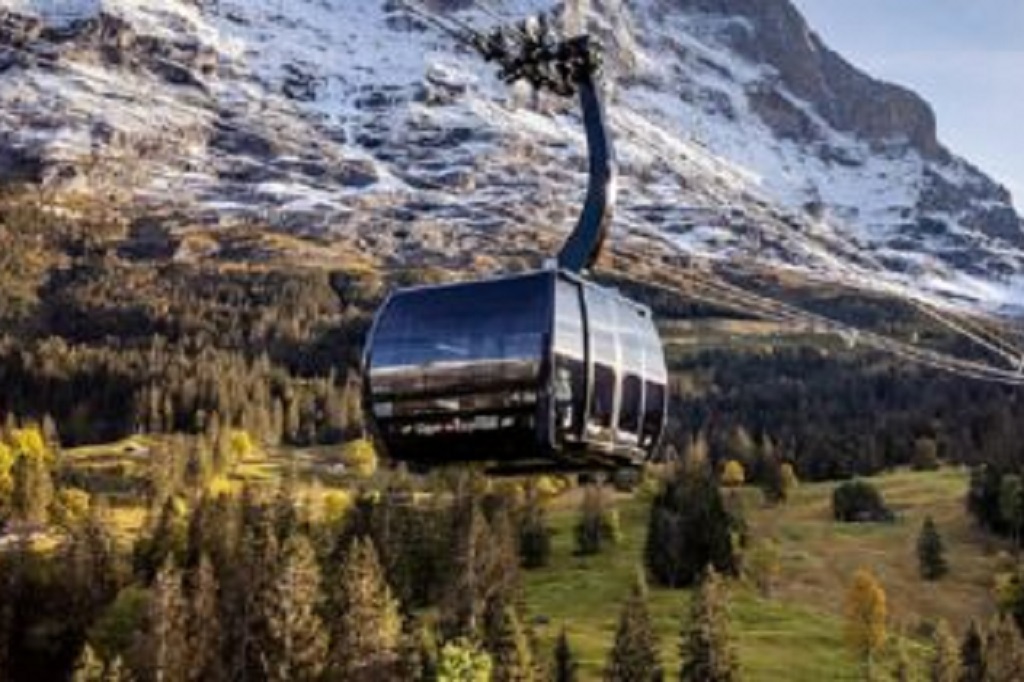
x=966, y=57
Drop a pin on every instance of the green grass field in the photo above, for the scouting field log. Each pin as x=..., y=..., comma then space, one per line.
x=798, y=634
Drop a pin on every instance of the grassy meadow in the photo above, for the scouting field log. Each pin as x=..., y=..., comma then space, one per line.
x=797, y=635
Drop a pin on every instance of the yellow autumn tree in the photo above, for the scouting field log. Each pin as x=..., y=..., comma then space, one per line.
x=866, y=614
x=6, y=476
x=733, y=474
x=30, y=442
x=360, y=457
x=241, y=445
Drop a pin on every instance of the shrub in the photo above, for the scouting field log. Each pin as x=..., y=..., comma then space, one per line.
x=926, y=455
x=534, y=536
x=859, y=502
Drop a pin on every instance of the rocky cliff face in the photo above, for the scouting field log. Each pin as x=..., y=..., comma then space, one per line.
x=740, y=134
x=774, y=33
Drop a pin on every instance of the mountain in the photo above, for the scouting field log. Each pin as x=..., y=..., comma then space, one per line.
x=741, y=136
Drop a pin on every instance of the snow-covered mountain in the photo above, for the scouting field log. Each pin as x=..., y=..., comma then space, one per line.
x=740, y=134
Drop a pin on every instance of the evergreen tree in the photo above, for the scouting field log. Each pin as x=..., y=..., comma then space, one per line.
x=204, y=637
x=534, y=534
x=690, y=527
x=1004, y=659
x=510, y=651
x=931, y=553
x=416, y=653
x=486, y=575
x=634, y=656
x=296, y=646
x=707, y=652
x=597, y=525
x=740, y=447
x=366, y=625
x=256, y=569
x=165, y=646
x=166, y=539
x=945, y=662
x=93, y=568
x=972, y=655
x=564, y=667
x=1011, y=506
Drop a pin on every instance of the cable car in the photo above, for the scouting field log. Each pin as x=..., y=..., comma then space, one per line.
x=544, y=369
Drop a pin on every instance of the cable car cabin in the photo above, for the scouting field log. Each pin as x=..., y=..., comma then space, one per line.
x=533, y=371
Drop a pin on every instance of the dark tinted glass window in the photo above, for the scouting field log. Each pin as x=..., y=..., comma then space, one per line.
x=499, y=320
x=629, y=411
x=654, y=410
x=604, y=396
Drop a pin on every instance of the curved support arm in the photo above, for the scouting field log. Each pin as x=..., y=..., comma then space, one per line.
x=583, y=247
x=565, y=68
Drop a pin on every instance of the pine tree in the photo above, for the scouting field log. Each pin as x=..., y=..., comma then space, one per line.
x=945, y=663
x=165, y=642
x=255, y=571
x=931, y=553
x=564, y=667
x=865, y=617
x=166, y=540
x=296, y=646
x=1011, y=506
x=634, y=656
x=510, y=650
x=1004, y=660
x=485, y=577
x=93, y=570
x=204, y=637
x=972, y=655
x=707, y=652
x=366, y=625
x=534, y=534
x=690, y=527
x=415, y=653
